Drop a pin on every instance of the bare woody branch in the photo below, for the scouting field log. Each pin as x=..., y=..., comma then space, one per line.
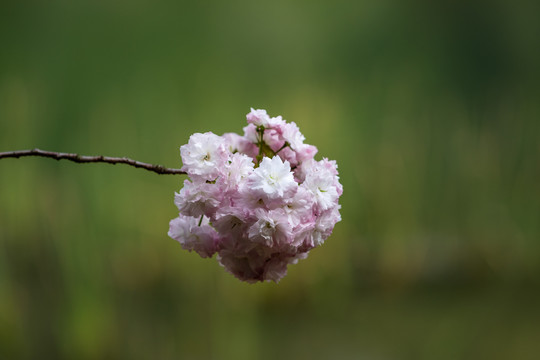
x=92, y=159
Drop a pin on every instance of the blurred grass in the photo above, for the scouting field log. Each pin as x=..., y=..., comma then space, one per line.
x=430, y=109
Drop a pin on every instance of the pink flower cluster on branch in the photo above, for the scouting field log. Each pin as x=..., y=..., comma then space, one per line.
x=260, y=201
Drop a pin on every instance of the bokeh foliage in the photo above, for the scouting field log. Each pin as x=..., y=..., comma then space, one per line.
x=430, y=108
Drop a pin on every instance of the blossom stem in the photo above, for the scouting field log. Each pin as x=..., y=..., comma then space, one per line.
x=281, y=148
x=200, y=220
x=92, y=159
x=260, y=132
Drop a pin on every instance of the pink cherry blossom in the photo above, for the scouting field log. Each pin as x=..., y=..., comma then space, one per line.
x=204, y=155
x=250, y=133
x=272, y=180
x=258, y=117
x=201, y=238
x=321, y=185
x=237, y=170
x=259, y=200
x=272, y=228
x=292, y=135
x=198, y=198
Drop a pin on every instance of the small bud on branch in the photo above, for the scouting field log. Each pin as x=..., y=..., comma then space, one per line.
x=92, y=159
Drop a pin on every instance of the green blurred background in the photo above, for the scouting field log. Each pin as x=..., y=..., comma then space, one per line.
x=431, y=110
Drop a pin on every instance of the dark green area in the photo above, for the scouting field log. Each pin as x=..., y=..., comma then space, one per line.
x=431, y=109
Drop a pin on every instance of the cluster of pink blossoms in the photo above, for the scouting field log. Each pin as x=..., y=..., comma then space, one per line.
x=260, y=201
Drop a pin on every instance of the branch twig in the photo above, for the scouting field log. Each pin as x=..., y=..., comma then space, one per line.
x=91, y=159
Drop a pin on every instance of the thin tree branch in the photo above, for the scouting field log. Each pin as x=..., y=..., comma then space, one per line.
x=92, y=159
